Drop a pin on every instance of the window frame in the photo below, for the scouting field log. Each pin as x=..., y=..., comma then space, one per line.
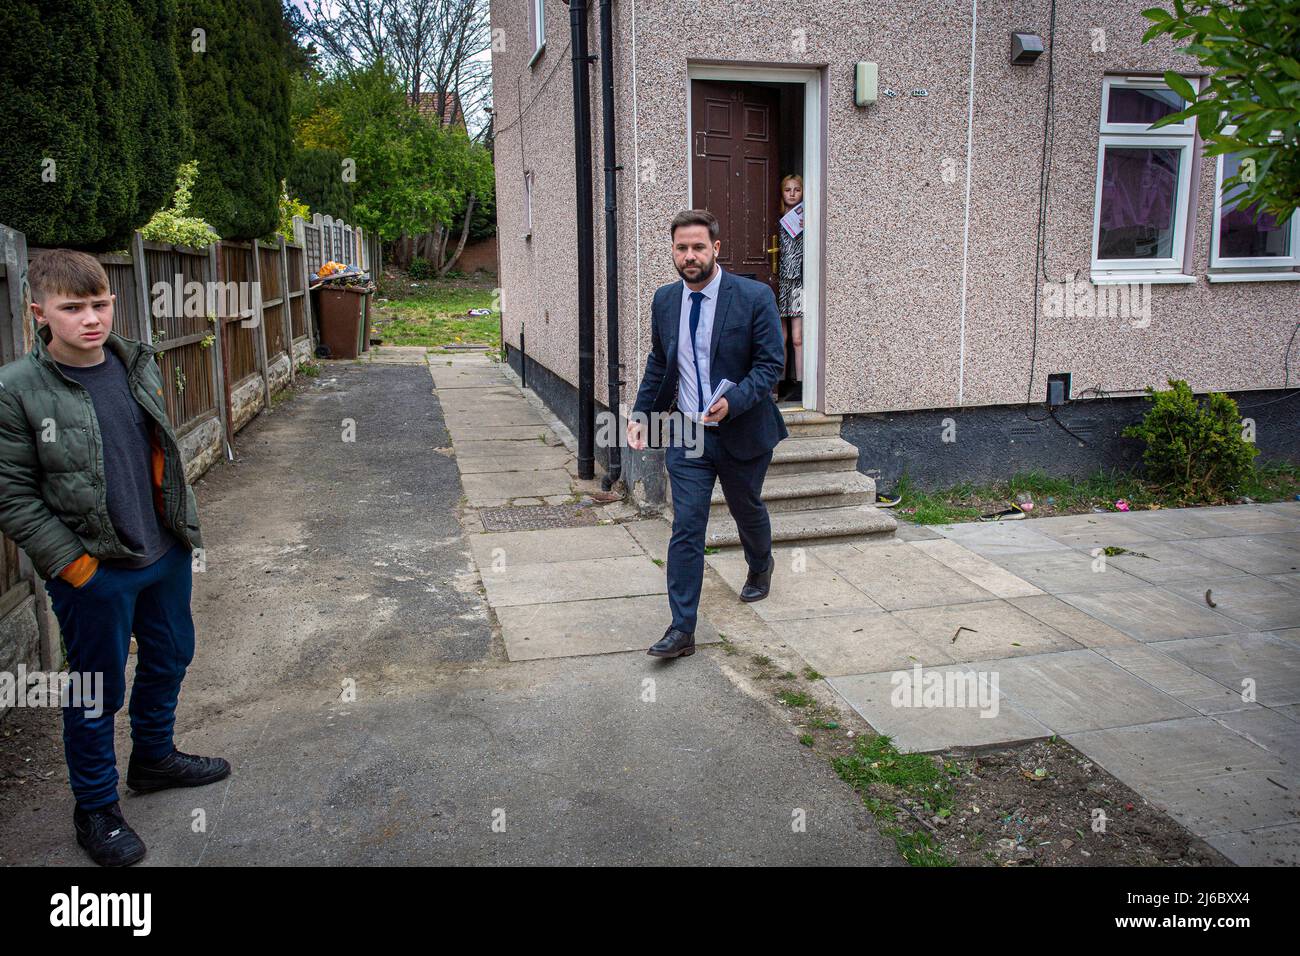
x=1186, y=128
x=1181, y=137
x=1247, y=265
x=537, y=27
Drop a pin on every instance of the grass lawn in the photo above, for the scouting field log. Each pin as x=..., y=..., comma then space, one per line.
x=1271, y=481
x=432, y=312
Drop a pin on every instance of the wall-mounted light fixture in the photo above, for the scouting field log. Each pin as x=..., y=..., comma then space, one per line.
x=865, y=77
x=1025, y=48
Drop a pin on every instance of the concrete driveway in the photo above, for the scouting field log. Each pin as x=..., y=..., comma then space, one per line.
x=350, y=669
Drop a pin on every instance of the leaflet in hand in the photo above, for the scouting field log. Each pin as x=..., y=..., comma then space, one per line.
x=722, y=389
x=792, y=222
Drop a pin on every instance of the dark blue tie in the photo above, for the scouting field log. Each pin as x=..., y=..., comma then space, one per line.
x=696, y=299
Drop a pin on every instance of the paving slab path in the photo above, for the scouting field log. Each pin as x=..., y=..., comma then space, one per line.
x=1173, y=661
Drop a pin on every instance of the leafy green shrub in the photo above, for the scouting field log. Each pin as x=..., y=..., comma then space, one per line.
x=422, y=269
x=290, y=207
x=174, y=224
x=1194, y=451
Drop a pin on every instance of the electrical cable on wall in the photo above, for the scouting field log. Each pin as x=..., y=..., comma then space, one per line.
x=1286, y=375
x=1044, y=188
x=559, y=61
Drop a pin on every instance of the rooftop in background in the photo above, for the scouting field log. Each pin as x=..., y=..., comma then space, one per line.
x=446, y=107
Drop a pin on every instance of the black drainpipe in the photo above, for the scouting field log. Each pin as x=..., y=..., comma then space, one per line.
x=586, y=247
x=615, y=466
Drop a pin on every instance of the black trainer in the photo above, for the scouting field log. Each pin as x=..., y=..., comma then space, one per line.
x=107, y=837
x=175, y=770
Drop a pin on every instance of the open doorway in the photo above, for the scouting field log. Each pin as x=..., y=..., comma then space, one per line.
x=749, y=129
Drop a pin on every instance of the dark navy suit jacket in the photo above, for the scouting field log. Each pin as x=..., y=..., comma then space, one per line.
x=746, y=347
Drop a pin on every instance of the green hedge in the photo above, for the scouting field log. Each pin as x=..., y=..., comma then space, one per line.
x=238, y=96
x=316, y=177
x=92, y=85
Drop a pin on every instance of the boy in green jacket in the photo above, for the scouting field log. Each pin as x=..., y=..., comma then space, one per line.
x=92, y=487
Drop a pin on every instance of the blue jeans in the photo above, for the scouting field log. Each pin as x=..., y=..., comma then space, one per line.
x=692, y=483
x=97, y=621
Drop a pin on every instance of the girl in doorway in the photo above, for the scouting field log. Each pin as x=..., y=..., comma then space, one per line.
x=790, y=279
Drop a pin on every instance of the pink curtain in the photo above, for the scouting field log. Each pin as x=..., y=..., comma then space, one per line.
x=1241, y=236
x=1140, y=106
x=1138, y=188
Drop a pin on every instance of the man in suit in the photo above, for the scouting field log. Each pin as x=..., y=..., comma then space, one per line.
x=712, y=326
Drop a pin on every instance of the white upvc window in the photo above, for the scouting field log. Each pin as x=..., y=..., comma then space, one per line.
x=538, y=25
x=1243, y=248
x=1144, y=179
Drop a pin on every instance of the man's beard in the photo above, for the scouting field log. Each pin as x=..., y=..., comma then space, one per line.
x=706, y=269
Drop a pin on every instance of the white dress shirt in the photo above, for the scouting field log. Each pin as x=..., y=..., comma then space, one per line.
x=688, y=396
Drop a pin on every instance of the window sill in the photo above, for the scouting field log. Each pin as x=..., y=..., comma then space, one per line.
x=1155, y=278
x=537, y=55
x=1253, y=277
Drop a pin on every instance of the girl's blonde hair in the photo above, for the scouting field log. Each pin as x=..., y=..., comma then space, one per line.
x=795, y=176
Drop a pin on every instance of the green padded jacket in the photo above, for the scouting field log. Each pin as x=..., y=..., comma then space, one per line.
x=53, y=499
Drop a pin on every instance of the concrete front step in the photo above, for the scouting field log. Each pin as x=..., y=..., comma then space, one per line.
x=810, y=526
x=796, y=456
x=809, y=491
x=806, y=423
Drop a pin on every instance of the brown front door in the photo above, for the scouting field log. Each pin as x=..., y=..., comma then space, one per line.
x=735, y=155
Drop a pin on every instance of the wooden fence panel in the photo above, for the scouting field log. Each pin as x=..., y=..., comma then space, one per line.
x=297, y=290
x=208, y=346
x=272, y=301
x=181, y=329
x=312, y=248
x=240, y=340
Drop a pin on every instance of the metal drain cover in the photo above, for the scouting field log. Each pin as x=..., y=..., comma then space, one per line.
x=537, y=517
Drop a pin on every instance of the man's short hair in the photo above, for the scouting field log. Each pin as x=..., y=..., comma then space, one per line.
x=696, y=217
x=66, y=272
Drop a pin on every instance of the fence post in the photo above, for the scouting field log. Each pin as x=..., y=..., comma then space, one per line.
x=327, y=239
x=219, y=350
x=286, y=306
x=140, y=271
x=308, y=320
x=260, y=338
x=17, y=338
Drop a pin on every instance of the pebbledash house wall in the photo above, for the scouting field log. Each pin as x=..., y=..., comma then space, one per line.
x=899, y=355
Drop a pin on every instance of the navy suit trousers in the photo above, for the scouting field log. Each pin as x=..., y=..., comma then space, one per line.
x=692, y=483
